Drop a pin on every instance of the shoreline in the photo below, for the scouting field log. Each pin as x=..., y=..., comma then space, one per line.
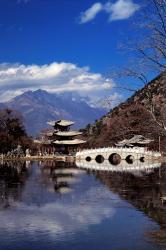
x=64, y=158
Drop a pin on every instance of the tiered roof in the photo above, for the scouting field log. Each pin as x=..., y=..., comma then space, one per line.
x=47, y=133
x=44, y=142
x=69, y=142
x=135, y=140
x=63, y=137
x=68, y=133
x=63, y=123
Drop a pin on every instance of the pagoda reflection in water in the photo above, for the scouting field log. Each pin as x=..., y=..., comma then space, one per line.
x=141, y=187
x=59, y=176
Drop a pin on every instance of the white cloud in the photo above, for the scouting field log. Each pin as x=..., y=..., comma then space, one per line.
x=58, y=217
x=55, y=77
x=120, y=10
x=91, y=13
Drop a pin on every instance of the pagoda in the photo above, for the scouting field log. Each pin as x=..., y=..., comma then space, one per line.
x=135, y=141
x=61, y=139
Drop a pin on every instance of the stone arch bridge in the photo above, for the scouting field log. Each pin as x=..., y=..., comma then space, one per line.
x=115, y=156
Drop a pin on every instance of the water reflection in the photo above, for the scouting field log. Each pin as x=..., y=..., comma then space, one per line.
x=54, y=205
x=136, y=167
x=12, y=180
x=59, y=175
x=144, y=192
x=141, y=184
x=39, y=208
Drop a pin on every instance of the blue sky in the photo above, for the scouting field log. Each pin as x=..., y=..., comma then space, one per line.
x=39, y=35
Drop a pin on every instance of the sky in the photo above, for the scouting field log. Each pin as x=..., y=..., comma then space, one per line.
x=63, y=45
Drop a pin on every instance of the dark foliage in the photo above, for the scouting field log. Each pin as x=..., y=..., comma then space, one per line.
x=12, y=132
x=144, y=113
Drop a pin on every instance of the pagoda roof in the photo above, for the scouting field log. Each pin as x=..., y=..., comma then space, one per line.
x=37, y=141
x=45, y=142
x=68, y=133
x=136, y=139
x=69, y=142
x=63, y=123
x=48, y=133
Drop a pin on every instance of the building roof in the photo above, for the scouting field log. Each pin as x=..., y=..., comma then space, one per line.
x=48, y=133
x=63, y=123
x=37, y=141
x=44, y=142
x=68, y=133
x=51, y=123
x=136, y=139
x=69, y=142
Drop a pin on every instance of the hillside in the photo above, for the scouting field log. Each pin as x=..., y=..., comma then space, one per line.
x=143, y=113
x=38, y=107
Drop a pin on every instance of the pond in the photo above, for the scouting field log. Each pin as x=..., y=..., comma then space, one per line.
x=56, y=205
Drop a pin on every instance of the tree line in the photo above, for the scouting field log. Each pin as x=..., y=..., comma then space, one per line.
x=12, y=132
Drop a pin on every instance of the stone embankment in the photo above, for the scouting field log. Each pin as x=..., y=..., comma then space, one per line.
x=40, y=158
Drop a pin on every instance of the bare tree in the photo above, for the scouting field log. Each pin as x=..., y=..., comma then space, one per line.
x=147, y=48
x=152, y=49
x=148, y=54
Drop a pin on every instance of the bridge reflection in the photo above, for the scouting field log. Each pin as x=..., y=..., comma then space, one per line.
x=136, y=167
x=143, y=189
x=140, y=184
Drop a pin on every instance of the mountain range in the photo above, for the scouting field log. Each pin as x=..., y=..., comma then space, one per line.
x=144, y=113
x=38, y=107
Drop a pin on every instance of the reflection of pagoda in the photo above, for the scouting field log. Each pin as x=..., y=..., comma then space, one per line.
x=62, y=139
x=59, y=176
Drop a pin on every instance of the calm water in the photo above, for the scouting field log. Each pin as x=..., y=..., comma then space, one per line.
x=60, y=206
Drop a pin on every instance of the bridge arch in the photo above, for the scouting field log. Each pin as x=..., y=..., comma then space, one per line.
x=130, y=159
x=88, y=158
x=142, y=159
x=99, y=159
x=114, y=159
